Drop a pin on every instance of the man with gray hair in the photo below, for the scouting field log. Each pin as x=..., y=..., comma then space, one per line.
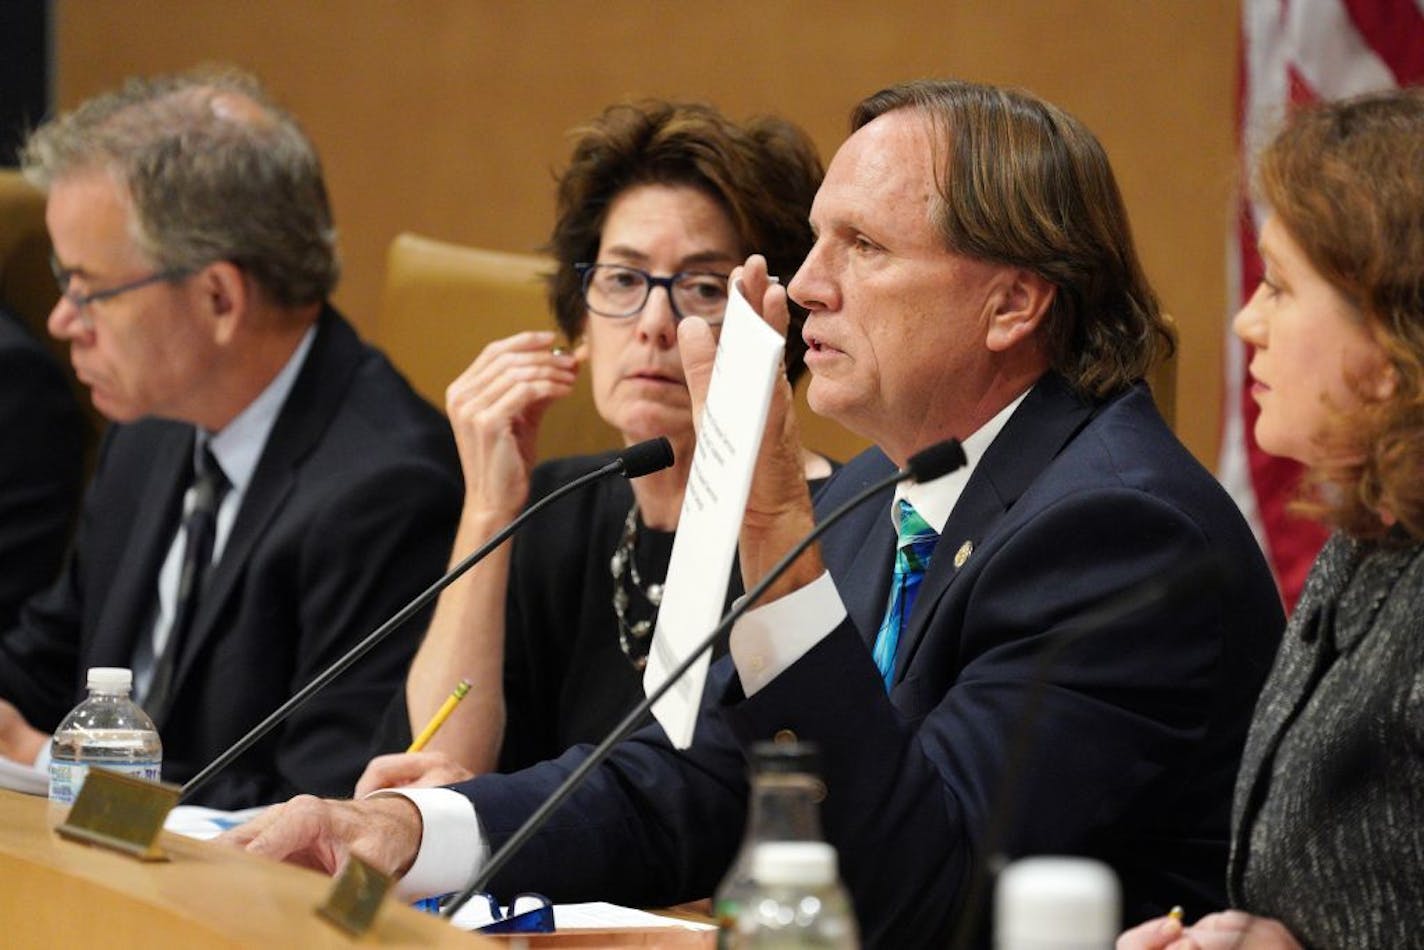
x=271, y=488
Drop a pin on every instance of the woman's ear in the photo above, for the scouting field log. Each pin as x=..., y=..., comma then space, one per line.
x=1386, y=380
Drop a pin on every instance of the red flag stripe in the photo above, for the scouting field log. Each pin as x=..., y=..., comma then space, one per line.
x=1394, y=29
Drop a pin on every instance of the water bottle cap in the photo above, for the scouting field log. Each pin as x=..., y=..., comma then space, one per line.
x=811, y=863
x=110, y=678
x=1056, y=902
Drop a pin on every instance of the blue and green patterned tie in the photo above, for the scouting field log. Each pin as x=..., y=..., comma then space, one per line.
x=912, y=559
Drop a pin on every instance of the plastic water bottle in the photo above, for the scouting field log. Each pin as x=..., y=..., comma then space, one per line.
x=107, y=729
x=784, y=807
x=1057, y=903
x=798, y=902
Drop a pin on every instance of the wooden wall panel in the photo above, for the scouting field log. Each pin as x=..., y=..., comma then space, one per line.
x=448, y=117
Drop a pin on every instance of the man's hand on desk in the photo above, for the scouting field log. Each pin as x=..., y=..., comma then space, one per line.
x=410, y=770
x=319, y=833
x=19, y=741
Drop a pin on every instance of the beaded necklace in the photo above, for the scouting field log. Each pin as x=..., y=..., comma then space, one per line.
x=633, y=637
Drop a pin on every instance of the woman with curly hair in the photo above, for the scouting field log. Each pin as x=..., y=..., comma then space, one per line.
x=1328, y=823
x=659, y=202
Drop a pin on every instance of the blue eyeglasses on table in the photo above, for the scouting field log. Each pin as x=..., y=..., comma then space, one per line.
x=528, y=913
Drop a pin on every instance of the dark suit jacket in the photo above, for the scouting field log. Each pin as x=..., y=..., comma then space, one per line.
x=1127, y=750
x=41, y=466
x=1329, y=814
x=349, y=514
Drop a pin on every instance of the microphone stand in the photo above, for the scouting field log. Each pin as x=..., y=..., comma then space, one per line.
x=636, y=460
x=947, y=456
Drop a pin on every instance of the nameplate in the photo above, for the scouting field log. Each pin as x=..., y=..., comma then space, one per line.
x=356, y=897
x=121, y=813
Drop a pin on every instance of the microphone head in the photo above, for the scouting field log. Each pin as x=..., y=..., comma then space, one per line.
x=936, y=461
x=654, y=455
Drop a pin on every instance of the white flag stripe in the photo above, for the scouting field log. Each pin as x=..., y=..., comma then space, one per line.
x=1325, y=47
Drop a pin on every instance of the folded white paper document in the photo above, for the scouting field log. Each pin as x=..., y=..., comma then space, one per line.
x=728, y=439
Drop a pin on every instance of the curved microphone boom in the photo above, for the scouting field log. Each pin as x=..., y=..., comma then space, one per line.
x=934, y=462
x=644, y=458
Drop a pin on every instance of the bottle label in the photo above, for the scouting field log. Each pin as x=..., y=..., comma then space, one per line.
x=67, y=778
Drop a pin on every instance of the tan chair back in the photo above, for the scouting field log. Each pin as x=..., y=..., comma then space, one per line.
x=445, y=302
x=27, y=286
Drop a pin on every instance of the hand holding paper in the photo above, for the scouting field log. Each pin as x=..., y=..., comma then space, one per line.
x=746, y=479
x=732, y=412
x=778, y=509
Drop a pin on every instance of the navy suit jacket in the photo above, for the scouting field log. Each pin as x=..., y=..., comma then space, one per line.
x=349, y=514
x=1127, y=734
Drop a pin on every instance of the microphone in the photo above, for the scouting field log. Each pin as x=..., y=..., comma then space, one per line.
x=635, y=461
x=1183, y=579
x=645, y=458
x=934, y=462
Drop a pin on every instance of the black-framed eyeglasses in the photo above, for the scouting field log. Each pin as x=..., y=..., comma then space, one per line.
x=82, y=302
x=617, y=290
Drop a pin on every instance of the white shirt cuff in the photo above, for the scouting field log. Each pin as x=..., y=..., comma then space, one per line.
x=768, y=639
x=452, y=846
x=41, y=763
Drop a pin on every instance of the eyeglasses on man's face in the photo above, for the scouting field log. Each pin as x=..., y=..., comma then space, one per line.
x=617, y=290
x=83, y=302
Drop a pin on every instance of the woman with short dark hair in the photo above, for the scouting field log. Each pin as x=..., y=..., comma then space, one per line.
x=659, y=202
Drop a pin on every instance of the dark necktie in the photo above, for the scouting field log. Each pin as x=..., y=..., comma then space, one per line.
x=912, y=558
x=199, y=529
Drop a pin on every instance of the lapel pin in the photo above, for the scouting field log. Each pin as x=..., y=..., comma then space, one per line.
x=962, y=555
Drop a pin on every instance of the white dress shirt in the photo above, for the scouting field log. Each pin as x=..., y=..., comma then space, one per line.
x=238, y=448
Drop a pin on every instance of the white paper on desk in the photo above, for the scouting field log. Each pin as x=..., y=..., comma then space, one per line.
x=19, y=777
x=748, y=359
x=596, y=915
x=196, y=821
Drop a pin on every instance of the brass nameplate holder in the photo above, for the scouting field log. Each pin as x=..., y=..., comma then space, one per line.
x=355, y=897
x=120, y=812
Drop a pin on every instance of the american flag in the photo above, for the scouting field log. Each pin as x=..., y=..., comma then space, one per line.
x=1295, y=51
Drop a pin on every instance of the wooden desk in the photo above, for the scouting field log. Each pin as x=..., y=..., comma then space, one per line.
x=56, y=893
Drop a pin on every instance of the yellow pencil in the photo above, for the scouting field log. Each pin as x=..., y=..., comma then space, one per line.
x=1176, y=913
x=441, y=714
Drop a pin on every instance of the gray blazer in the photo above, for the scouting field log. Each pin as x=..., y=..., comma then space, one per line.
x=1328, y=823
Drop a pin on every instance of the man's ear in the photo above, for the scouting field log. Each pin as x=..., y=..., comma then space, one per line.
x=226, y=297
x=1018, y=307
